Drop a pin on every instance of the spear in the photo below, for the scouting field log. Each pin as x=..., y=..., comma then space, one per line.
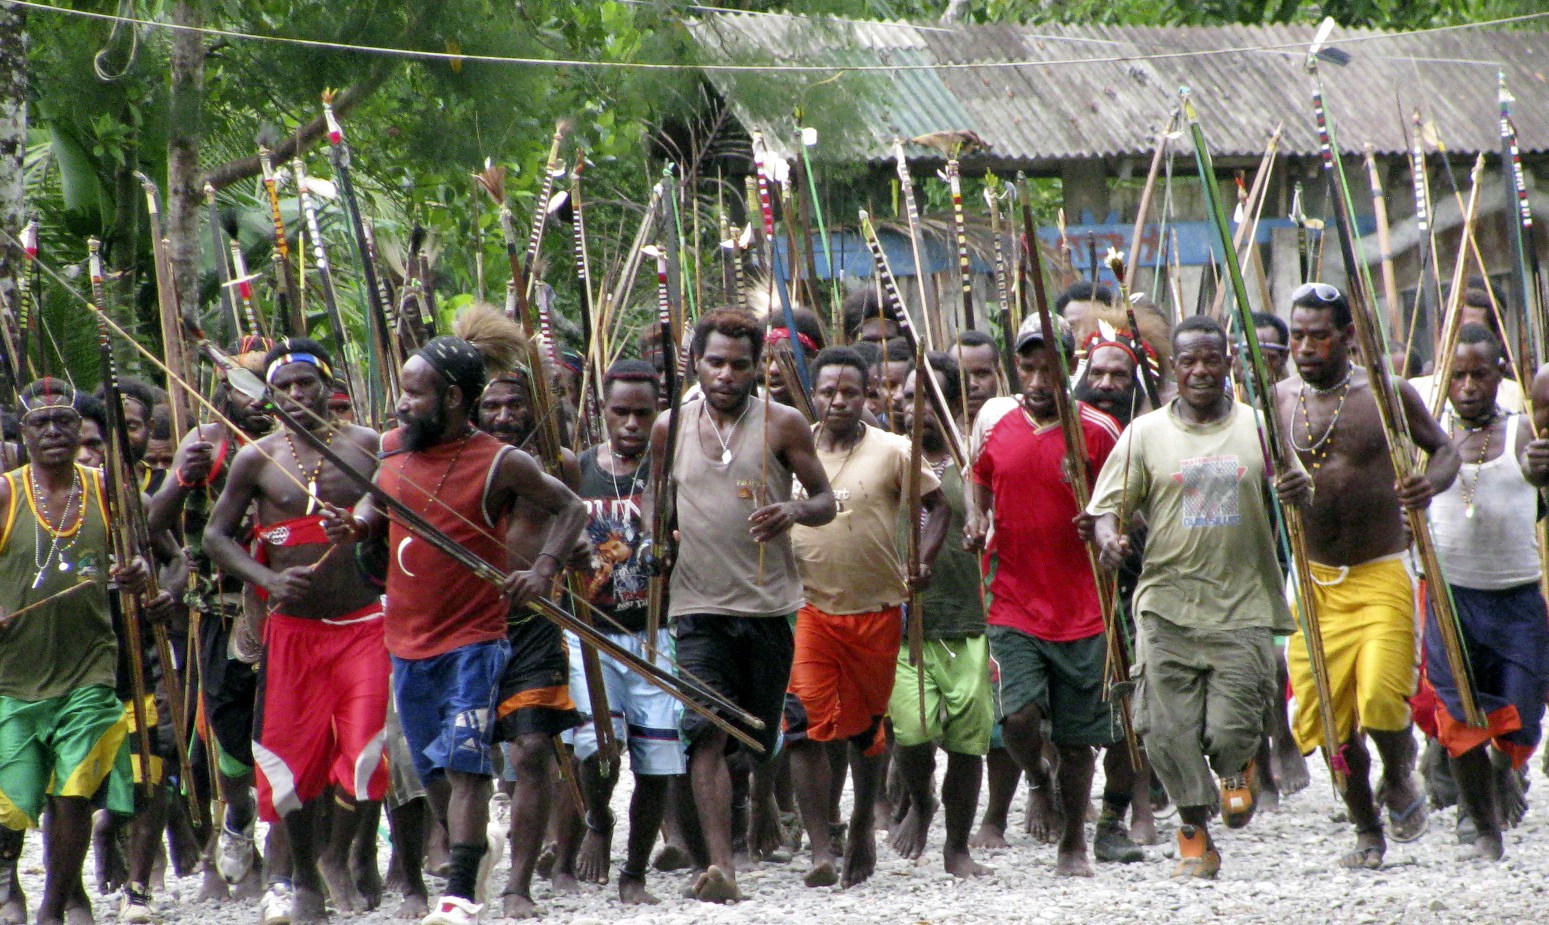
x=553, y=171
x=664, y=514
x=342, y=346
x=1428, y=282
x=1008, y=325
x=170, y=314
x=1157, y=156
x=28, y=306
x=1278, y=456
x=1453, y=319
x=960, y=225
x=1374, y=353
x=1524, y=250
x=376, y=313
x=295, y=321
x=1384, y=244
x=764, y=168
x=1031, y=266
x=218, y=252
x=242, y=281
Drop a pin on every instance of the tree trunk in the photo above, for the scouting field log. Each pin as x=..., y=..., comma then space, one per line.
x=13, y=143
x=185, y=194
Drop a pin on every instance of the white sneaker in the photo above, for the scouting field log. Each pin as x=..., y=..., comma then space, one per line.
x=453, y=910
x=235, y=855
x=492, y=855
x=134, y=906
x=275, y=905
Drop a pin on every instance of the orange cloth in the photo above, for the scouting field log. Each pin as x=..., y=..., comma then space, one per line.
x=843, y=672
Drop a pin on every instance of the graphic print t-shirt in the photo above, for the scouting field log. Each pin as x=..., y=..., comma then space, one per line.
x=1210, y=556
x=614, y=583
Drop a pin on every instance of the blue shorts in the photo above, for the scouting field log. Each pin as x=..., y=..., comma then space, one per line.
x=446, y=705
x=643, y=715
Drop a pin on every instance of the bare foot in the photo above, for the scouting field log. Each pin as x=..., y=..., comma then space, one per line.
x=671, y=857
x=368, y=882
x=909, y=838
x=883, y=811
x=105, y=848
x=13, y=902
x=1485, y=848
x=765, y=836
x=396, y=881
x=414, y=907
x=79, y=915
x=564, y=881
x=212, y=887
x=341, y=888
x=518, y=906
x=307, y=907
x=632, y=891
x=591, y=864
x=823, y=873
x=860, y=861
x=989, y=837
x=251, y=886
x=1073, y=862
x=1142, y=829
x=438, y=855
x=963, y=865
x=1369, y=849
x=1510, y=795
x=1044, y=821
x=545, y=864
x=717, y=886
x=1290, y=768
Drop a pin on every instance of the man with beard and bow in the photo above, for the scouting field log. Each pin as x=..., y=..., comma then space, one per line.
x=445, y=626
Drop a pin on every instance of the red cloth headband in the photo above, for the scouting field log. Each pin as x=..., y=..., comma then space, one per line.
x=775, y=335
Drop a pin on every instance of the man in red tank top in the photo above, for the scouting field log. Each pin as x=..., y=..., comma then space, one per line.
x=445, y=627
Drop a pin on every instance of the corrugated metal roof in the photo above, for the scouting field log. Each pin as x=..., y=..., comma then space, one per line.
x=1092, y=91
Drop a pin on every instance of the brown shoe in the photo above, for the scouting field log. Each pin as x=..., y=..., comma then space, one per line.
x=1239, y=797
x=1197, y=857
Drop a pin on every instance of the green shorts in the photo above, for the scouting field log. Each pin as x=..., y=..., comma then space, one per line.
x=63, y=745
x=126, y=774
x=1063, y=679
x=959, y=703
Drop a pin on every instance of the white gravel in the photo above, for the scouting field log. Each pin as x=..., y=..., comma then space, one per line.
x=1281, y=870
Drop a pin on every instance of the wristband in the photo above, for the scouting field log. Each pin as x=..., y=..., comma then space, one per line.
x=177, y=474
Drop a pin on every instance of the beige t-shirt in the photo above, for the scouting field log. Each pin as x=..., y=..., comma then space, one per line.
x=852, y=565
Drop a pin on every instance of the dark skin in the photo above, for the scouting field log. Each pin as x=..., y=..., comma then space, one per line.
x=1357, y=514
x=1201, y=363
x=1110, y=382
x=980, y=367
x=876, y=330
x=94, y=445
x=1477, y=371
x=311, y=582
x=629, y=410
x=461, y=799
x=1041, y=376
x=916, y=763
x=727, y=368
x=839, y=397
x=52, y=437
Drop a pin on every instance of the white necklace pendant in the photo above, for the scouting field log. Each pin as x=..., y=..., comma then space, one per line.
x=1469, y=511
x=726, y=457
x=64, y=566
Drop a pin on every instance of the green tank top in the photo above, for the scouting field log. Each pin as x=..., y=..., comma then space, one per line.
x=66, y=644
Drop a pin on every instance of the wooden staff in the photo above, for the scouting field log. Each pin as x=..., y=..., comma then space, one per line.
x=1390, y=409
x=1384, y=242
x=1453, y=317
x=928, y=309
x=1278, y=459
x=170, y=312
x=1117, y=670
x=1157, y=156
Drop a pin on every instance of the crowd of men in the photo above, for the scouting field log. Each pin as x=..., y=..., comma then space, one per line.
x=360, y=622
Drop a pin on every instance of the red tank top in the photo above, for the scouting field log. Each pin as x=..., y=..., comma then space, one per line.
x=434, y=604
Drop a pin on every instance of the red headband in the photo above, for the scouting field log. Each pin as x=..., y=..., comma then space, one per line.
x=775, y=335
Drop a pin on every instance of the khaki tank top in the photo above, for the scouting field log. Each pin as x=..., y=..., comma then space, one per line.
x=717, y=571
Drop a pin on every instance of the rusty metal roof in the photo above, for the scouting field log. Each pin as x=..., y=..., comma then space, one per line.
x=1043, y=93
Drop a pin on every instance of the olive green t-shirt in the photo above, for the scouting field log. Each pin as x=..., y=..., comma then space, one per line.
x=954, y=608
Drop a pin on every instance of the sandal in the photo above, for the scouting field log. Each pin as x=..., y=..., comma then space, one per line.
x=1410, y=824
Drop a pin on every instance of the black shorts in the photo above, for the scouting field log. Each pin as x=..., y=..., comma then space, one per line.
x=535, y=687
x=746, y=660
x=229, y=690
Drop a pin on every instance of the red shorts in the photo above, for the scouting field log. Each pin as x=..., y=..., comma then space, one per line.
x=843, y=674
x=320, y=710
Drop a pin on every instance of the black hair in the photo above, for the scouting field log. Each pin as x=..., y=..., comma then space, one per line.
x=1339, y=305
x=1477, y=296
x=1199, y=324
x=1270, y=320
x=161, y=422
x=1475, y=333
x=947, y=374
x=300, y=345
x=807, y=322
x=1084, y=291
x=132, y=388
x=460, y=363
x=841, y=356
x=860, y=307
x=898, y=350
x=975, y=339
x=728, y=322
x=91, y=408
x=868, y=351
x=630, y=371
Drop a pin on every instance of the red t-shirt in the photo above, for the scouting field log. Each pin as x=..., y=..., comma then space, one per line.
x=1040, y=578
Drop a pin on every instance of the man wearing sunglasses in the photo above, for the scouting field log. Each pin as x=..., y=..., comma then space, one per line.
x=1356, y=539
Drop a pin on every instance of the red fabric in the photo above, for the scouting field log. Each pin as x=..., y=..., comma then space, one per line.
x=843, y=672
x=321, y=710
x=1040, y=578
x=298, y=531
x=439, y=605
x=1459, y=737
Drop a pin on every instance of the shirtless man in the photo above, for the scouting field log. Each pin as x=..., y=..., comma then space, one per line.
x=1355, y=538
x=322, y=686
x=446, y=628
x=733, y=500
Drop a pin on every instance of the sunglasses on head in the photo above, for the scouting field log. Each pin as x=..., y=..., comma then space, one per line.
x=1322, y=292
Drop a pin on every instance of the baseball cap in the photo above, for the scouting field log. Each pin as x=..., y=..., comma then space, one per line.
x=1031, y=331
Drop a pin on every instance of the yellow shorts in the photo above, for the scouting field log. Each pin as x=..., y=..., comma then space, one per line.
x=1367, y=614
